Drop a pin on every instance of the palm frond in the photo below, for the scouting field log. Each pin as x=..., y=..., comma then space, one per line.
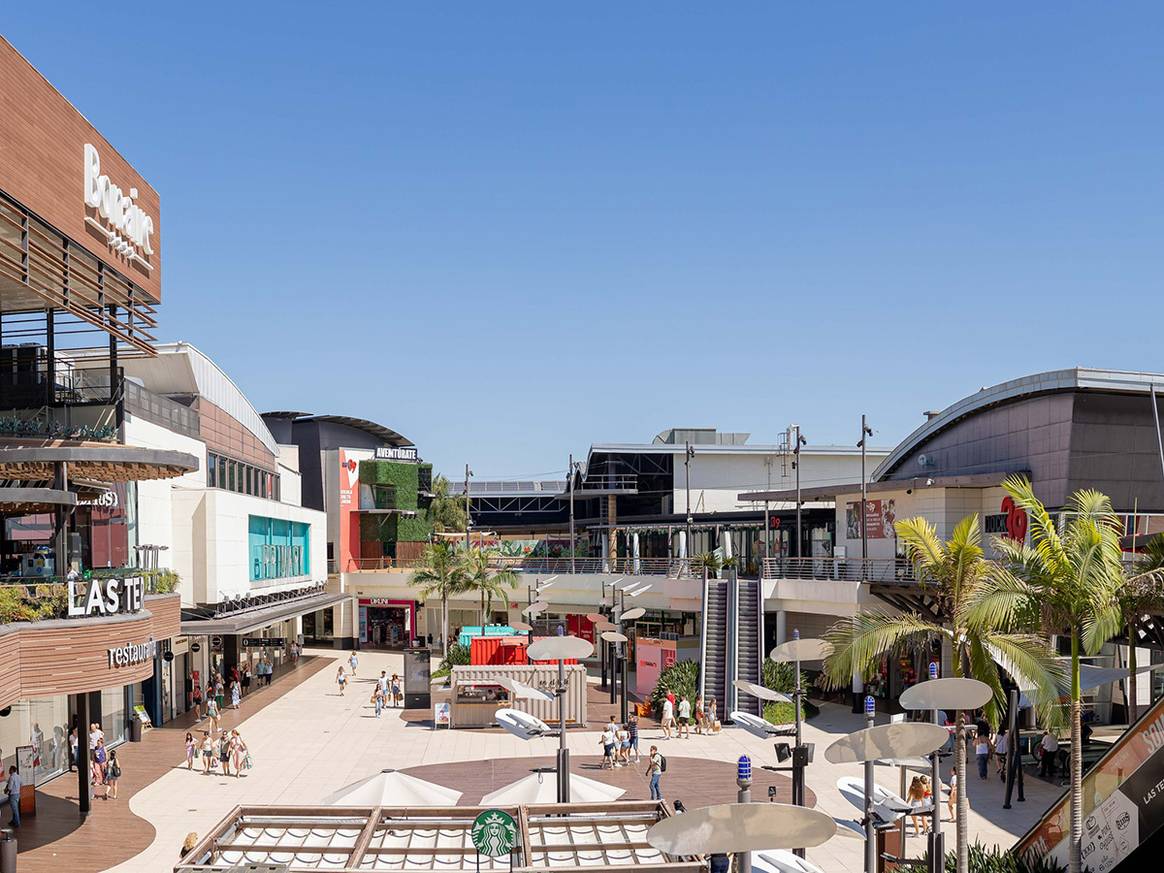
x=1036, y=670
x=984, y=668
x=999, y=600
x=1044, y=536
x=922, y=545
x=860, y=641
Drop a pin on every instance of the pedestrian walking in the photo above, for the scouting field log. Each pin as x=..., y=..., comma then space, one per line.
x=633, y=728
x=191, y=748
x=100, y=759
x=212, y=713
x=74, y=744
x=713, y=725
x=382, y=683
x=353, y=662
x=916, y=797
x=1000, y=742
x=397, y=693
x=699, y=714
x=684, y=717
x=378, y=700
x=668, y=716
x=607, y=740
x=341, y=679
x=622, y=752
x=224, y=752
x=207, y=753
x=238, y=751
x=952, y=797
x=112, y=774
x=196, y=699
x=656, y=764
x=219, y=691
x=982, y=752
x=246, y=680
x=12, y=791
x=235, y=693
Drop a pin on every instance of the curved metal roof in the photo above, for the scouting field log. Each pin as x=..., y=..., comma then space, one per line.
x=379, y=431
x=1053, y=381
x=104, y=462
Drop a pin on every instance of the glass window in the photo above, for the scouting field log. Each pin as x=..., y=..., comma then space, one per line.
x=248, y=477
x=113, y=715
x=233, y=468
x=210, y=471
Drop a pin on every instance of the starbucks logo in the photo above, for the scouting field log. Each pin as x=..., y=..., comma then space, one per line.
x=494, y=833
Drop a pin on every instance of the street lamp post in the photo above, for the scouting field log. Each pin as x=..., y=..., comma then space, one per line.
x=573, y=541
x=688, y=454
x=468, y=516
x=866, y=431
x=797, y=443
x=744, y=783
x=870, y=825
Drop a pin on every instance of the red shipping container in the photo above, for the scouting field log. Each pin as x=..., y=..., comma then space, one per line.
x=497, y=650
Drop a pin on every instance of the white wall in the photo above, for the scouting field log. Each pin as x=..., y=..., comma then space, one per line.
x=718, y=478
x=155, y=498
x=216, y=564
x=290, y=480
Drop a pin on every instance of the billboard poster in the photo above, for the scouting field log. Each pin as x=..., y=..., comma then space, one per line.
x=1123, y=801
x=348, y=547
x=879, y=518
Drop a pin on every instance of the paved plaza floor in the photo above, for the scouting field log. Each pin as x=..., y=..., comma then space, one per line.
x=310, y=741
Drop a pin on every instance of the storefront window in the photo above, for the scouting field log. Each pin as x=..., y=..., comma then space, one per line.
x=113, y=715
x=43, y=724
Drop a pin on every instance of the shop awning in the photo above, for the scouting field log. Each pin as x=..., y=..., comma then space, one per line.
x=252, y=620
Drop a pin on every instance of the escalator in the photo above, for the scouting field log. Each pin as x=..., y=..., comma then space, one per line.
x=730, y=642
x=1123, y=805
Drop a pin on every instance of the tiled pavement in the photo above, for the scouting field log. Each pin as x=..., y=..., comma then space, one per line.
x=310, y=742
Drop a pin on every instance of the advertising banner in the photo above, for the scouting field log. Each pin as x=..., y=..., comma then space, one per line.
x=879, y=518
x=1123, y=801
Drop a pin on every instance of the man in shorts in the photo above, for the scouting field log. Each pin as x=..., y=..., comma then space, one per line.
x=684, y=717
x=607, y=740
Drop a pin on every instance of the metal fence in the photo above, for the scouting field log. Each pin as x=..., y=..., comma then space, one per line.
x=841, y=569
x=675, y=568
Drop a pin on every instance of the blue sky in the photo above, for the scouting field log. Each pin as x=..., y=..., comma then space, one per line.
x=510, y=230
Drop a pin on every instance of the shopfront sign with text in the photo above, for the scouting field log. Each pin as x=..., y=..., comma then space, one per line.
x=132, y=653
x=105, y=596
x=395, y=453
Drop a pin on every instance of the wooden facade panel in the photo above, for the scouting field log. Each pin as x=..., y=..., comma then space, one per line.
x=42, y=143
x=41, y=659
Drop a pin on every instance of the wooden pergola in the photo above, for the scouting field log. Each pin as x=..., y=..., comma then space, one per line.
x=564, y=837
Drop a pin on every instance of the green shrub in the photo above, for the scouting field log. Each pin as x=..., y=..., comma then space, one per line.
x=781, y=676
x=457, y=656
x=682, y=678
x=992, y=859
x=13, y=606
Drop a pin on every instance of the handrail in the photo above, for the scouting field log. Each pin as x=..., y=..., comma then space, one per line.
x=840, y=569
x=674, y=568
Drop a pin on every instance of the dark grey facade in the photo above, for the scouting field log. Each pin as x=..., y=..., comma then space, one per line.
x=1068, y=430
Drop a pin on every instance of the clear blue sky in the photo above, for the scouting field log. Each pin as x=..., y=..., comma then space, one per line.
x=510, y=230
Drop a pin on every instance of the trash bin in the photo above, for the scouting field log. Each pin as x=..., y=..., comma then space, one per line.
x=7, y=851
x=135, y=730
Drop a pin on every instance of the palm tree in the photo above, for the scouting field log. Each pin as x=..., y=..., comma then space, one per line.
x=442, y=573
x=953, y=573
x=1072, y=576
x=482, y=578
x=447, y=513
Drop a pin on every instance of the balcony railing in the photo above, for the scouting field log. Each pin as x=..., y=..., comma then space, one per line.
x=887, y=570
x=675, y=568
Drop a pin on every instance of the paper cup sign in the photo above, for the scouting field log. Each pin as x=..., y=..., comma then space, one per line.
x=494, y=833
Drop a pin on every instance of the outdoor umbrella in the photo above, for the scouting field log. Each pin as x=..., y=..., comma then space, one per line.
x=393, y=788
x=543, y=788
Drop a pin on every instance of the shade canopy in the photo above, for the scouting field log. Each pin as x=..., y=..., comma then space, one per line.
x=753, y=724
x=887, y=806
x=887, y=741
x=632, y=614
x=543, y=788
x=393, y=788
x=802, y=650
x=595, y=617
x=521, y=691
x=34, y=459
x=536, y=608
x=782, y=861
x=560, y=649
x=951, y=693
x=522, y=724
x=520, y=626
x=760, y=691
x=741, y=827
x=614, y=637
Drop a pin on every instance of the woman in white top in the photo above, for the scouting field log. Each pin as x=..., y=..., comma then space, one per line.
x=668, y=717
x=1000, y=753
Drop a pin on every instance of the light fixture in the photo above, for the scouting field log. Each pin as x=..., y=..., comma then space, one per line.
x=783, y=752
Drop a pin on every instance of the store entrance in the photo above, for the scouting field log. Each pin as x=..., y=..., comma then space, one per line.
x=387, y=627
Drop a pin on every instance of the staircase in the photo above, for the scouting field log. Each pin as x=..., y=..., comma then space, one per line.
x=713, y=657
x=730, y=642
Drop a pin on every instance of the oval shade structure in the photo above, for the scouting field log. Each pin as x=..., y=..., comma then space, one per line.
x=781, y=861
x=595, y=618
x=520, y=626
x=887, y=741
x=560, y=649
x=753, y=724
x=391, y=786
x=632, y=614
x=802, y=650
x=741, y=827
x=521, y=724
x=761, y=692
x=536, y=608
x=949, y=693
x=614, y=637
x=605, y=625
x=521, y=691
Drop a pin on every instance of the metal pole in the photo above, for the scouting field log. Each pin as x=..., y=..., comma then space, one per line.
x=796, y=465
x=1156, y=417
x=1014, y=769
x=798, y=753
x=865, y=431
x=744, y=782
x=563, y=752
x=687, y=482
x=84, y=792
x=468, y=517
x=573, y=541
x=937, y=842
x=624, y=710
x=870, y=831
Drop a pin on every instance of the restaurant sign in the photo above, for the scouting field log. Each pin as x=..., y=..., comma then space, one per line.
x=132, y=653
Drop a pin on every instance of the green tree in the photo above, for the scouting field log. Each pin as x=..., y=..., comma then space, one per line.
x=954, y=573
x=1072, y=576
x=480, y=576
x=447, y=513
x=442, y=574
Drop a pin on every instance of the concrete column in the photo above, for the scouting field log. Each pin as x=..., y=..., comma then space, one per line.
x=612, y=532
x=781, y=626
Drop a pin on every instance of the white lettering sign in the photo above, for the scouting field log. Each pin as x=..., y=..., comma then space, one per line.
x=127, y=228
x=395, y=453
x=105, y=596
x=133, y=653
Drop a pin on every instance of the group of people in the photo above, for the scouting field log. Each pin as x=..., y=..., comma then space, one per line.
x=706, y=719
x=218, y=749
x=104, y=768
x=387, y=692
x=619, y=741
